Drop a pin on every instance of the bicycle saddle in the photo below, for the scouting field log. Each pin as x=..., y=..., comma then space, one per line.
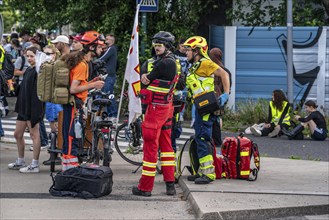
x=101, y=102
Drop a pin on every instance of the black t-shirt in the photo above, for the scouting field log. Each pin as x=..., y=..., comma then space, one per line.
x=164, y=68
x=318, y=119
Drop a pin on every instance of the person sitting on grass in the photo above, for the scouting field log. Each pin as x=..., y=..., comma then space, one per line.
x=278, y=116
x=315, y=121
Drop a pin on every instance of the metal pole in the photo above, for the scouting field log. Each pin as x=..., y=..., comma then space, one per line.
x=120, y=102
x=290, y=52
x=144, y=22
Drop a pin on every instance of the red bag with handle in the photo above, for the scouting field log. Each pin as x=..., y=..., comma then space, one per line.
x=237, y=153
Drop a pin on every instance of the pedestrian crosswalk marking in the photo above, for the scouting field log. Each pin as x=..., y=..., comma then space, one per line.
x=148, y=3
x=9, y=125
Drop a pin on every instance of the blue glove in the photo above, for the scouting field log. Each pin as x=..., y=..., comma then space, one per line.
x=223, y=99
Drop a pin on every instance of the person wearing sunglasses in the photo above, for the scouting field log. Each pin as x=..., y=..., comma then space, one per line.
x=158, y=84
x=52, y=110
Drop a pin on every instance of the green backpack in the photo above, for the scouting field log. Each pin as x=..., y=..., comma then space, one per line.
x=54, y=82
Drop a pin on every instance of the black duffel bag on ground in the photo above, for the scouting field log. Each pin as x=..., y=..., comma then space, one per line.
x=87, y=181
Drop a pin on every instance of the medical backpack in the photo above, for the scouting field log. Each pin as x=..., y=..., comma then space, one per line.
x=194, y=165
x=237, y=153
x=53, y=83
x=233, y=163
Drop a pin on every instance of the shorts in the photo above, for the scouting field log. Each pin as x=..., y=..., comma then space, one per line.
x=319, y=134
x=21, y=118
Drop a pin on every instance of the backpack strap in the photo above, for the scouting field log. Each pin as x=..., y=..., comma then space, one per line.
x=179, y=169
x=255, y=154
x=23, y=63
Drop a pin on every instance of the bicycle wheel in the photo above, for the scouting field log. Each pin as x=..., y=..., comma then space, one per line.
x=124, y=139
x=101, y=151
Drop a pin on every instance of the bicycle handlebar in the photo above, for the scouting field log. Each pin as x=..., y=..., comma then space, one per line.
x=95, y=92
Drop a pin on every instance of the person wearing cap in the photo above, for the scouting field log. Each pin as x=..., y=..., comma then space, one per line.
x=62, y=43
x=77, y=62
x=199, y=80
x=76, y=44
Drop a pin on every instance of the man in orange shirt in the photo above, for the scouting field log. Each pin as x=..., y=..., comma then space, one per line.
x=78, y=65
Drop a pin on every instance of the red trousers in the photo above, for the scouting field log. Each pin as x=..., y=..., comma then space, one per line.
x=156, y=129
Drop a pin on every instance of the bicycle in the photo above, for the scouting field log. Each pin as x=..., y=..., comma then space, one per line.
x=128, y=142
x=53, y=151
x=99, y=151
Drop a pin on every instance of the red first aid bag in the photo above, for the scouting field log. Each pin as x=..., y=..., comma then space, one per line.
x=237, y=153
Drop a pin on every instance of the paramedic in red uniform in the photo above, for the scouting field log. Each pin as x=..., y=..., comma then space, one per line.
x=156, y=127
x=78, y=65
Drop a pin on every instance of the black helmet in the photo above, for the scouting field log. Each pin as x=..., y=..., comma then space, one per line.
x=164, y=37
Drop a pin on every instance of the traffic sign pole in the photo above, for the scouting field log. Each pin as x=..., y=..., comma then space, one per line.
x=144, y=25
x=146, y=6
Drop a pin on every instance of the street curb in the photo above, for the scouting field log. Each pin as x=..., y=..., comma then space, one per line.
x=251, y=214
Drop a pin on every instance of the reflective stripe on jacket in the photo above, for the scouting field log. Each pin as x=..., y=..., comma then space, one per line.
x=2, y=56
x=162, y=90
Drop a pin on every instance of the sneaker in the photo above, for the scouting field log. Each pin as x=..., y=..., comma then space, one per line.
x=16, y=165
x=170, y=189
x=30, y=169
x=203, y=180
x=275, y=132
x=192, y=177
x=58, y=161
x=255, y=131
x=42, y=148
x=138, y=192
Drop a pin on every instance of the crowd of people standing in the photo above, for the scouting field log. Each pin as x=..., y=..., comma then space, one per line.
x=169, y=75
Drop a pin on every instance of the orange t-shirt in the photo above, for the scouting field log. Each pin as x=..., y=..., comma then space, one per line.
x=80, y=72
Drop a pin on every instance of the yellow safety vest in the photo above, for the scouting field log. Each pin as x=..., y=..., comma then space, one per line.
x=199, y=84
x=276, y=114
x=2, y=56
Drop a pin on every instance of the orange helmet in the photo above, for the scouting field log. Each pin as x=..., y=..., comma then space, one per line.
x=92, y=37
x=200, y=42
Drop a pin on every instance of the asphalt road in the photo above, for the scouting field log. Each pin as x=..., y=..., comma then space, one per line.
x=282, y=147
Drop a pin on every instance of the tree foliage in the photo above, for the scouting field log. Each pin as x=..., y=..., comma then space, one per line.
x=264, y=13
x=181, y=17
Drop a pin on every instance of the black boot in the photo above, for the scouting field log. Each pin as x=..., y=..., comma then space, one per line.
x=139, y=192
x=203, y=180
x=170, y=188
x=193, y=177
x=293, y=132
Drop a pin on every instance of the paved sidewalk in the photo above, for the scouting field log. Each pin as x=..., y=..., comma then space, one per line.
x=284, y=188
